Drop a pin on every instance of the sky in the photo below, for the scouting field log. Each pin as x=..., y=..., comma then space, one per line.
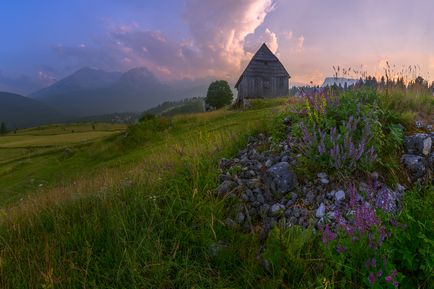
x=45, y=40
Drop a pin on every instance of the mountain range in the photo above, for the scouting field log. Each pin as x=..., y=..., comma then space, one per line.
x=89, y=92
x=18, y=111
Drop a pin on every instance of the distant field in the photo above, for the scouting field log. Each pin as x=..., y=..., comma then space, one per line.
x=25, y=141
x=34, y=141
x=70, y=128
x=35, y=159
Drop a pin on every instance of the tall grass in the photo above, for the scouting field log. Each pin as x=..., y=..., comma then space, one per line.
x=156, y=229
x=410, y=103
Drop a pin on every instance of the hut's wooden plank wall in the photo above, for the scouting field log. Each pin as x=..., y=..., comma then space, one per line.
x=264, y=77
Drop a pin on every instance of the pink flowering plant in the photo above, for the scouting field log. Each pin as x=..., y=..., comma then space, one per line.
x=356, y=242
x=340, y=135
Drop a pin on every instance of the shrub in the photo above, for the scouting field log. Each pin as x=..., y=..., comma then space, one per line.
x=149, y=127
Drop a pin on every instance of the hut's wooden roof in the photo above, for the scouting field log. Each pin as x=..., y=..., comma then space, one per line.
x=264, y=62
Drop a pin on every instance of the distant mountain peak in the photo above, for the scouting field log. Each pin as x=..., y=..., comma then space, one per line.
x=84, y=78
x=139, y=72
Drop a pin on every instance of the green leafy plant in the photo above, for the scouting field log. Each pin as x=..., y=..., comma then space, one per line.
x=219, y=94
x=412, y=240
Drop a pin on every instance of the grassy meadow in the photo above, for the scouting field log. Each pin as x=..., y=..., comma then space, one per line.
x=135, y=208
x=111, y=225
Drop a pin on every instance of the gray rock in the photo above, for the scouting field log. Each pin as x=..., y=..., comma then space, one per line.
x=292, y=220
x=302, y=222
x=284, y=179
x=285, y=159
x=331, y=215
x=310, y=198
x=260, y=198
x=250, y=195
x=320, y=212
x=277, y=209
x=256, y=204
x=257, y=191
x=296, y=212
x=418, y=144
x=273, y=187
x=415, y=165
x=419, y=124
x=225, y=163
x=288, y=213
x=268, y=196
x=431, y=161
x=226, y=187
x=339, y=196
x=322, y=175
x=269, y=163
x=252, y=183
x=324, y=181
x=263, y=210
x=240, y=218
x=225, y=177
x=253, y=212
x=244, y=197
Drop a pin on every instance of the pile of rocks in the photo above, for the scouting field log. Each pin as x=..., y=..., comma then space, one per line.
x=419, y=156
x=265, y=192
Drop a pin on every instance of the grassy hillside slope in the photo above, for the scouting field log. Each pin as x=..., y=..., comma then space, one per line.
x=138, y=210
x=120, y=235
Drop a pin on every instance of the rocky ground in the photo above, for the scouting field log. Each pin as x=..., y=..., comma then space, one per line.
x=265, y=191
x=419, y=156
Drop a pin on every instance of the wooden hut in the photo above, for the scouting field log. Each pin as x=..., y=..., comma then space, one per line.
x=264, y=77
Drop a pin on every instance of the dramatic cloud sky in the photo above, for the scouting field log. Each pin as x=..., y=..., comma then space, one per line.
x=45, y=40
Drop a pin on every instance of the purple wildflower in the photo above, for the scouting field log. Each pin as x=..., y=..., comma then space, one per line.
x=340, y=249
x=379, y=273
x=371, y=278
x=367, y=264
x=388, y=279
x=374, y=262
x=327, y=234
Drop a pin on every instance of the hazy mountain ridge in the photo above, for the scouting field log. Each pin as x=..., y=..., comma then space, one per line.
x=85, y=78
x=18, y=111
x=90, y=92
